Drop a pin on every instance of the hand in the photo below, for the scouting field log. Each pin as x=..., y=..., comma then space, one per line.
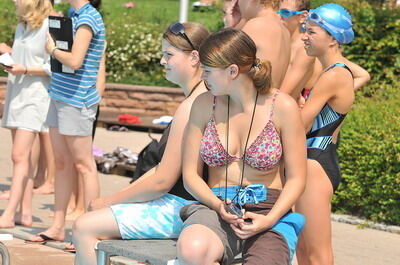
x=98, y=203
x=301, y=101
x=50, y=43
x=16, y=69
x=232, y=14
x=4, y=48
x=228, y=217
x=259, y=223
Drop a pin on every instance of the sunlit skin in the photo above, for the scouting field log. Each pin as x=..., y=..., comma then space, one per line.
x=316, y=40
x=291, y=22
x=212, y=76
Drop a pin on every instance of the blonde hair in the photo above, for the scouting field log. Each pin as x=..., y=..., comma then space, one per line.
x=194, y=31
x=271, y=3
x=33, y=12
x=232, y=46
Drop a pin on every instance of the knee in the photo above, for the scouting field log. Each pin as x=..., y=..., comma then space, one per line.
x=320, y=256
x=19, y=156
x=84, y=167
x=82, y=225
x=192, y=250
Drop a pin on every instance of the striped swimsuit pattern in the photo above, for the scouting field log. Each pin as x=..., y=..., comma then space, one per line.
x=79, y=89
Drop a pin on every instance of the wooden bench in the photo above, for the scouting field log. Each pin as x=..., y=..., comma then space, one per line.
x=107, y=119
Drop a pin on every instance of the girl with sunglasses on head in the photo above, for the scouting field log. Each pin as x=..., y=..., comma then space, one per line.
x=258, y=18
x=304, y=70
x=327, y=28
x=243, y=130
x=149, y=207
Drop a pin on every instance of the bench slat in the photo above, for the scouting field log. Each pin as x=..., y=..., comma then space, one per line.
x=157, y=251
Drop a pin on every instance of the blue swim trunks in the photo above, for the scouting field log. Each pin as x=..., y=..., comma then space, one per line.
x=158, y=219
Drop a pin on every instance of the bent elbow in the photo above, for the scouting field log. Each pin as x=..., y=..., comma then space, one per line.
x=75, y=65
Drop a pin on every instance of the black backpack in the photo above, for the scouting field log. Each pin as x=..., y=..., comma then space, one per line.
x=151, y=156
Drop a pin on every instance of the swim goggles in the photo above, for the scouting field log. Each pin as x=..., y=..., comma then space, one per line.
x=286, y=13
x=314, y=17
x=179, y=29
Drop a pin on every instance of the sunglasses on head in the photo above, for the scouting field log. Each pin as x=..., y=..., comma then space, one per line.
x=286, y=13
x=179, y=29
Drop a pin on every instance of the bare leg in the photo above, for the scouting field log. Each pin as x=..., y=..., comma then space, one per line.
x=40, y=176
x=79, y=202
x=64, y=179
x=198, y=245
x=22, y=141
x=315, y=244
x=81, y=151
x=24, y=217
x=48, y=185
x=88, y=229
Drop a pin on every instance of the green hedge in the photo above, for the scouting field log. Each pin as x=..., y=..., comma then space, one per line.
x=369, y=152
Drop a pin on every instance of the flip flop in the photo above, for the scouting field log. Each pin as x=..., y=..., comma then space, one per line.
x=44, y=239
x=70, y=248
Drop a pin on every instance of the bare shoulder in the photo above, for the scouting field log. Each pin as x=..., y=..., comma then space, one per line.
x=285, y=104
x=261, y=26
x=334, y=79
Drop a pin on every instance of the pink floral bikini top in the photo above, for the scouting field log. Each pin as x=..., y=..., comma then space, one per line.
x=263, y=154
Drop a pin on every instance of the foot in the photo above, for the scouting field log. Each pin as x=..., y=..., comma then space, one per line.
x=6, y=222
x=69, y=248
x=74, y=215
x=46, y=188
x=5, y=195
x=23, y=219
x=50, y=234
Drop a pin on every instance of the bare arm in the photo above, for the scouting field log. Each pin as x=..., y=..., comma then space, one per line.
x=361, y=76
x=192, y=163
x=73, y=59
x=101, y=76
x=4, y=48
x=298, y=73
x=294, y=149
x=159, y=180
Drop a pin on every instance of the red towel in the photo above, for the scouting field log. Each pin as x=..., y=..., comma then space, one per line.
x=128, y=118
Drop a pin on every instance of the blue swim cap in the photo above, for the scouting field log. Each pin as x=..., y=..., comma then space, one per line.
x=335, y=19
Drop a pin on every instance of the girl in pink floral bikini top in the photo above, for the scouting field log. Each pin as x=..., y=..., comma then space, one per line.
x=263, y=154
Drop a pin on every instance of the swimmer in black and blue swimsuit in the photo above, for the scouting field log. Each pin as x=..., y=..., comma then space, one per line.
x=319, y=139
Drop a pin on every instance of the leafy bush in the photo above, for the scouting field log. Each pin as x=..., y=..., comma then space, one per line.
x=133, y=52
x=369, y=152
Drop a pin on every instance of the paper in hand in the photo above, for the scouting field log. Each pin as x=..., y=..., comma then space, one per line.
x=6, y=60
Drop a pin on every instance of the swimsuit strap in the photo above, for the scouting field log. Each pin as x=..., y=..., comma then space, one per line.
x=273, y=104
x=341, y=65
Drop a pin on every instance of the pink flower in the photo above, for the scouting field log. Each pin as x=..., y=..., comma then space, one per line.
x=129, y=5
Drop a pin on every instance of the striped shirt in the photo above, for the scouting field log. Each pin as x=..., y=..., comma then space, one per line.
x=79, y=89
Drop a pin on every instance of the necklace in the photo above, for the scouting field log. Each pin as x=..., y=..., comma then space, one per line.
x=194, y=88
x=244, y=152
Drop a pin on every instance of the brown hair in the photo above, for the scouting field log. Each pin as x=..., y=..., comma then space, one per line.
x=195, y=32
x=34, y=12
x=303, y=4
x=232, y=46
x=271, y=3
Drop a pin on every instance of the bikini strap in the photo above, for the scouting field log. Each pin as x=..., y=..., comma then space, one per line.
x=273, y=104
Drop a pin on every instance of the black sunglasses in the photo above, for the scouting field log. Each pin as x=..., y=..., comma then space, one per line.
x=179, y=29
